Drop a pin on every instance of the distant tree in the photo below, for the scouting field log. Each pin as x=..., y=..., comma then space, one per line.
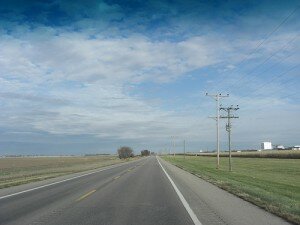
x=145, y=153
x=125, y=152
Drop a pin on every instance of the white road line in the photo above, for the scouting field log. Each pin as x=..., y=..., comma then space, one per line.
x=182, y=199
x=61, y=181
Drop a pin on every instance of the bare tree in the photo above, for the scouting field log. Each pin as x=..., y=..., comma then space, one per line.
x=125, y=152
x=145, y=153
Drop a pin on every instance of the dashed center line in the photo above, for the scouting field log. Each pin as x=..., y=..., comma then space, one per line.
x=86, y=195
x=91, y=192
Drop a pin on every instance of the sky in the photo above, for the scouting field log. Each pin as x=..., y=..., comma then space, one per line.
x=90, y=76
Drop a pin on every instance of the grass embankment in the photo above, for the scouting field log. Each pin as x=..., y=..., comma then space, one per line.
x=273, y=184
x=19, y=170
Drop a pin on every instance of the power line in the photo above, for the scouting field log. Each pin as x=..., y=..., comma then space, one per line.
x=266, y=38
x=274, y=78
x=265, y=61
x=259, y=88
x=269, y=35
x=255, y=92
x=289, y=95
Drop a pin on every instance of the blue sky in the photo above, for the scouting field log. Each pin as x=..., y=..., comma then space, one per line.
x=89, y=76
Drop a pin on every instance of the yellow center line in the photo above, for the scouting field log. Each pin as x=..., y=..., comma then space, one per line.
x=86, y=195
x=117, y=177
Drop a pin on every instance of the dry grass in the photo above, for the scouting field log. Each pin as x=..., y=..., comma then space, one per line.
x=16, y=171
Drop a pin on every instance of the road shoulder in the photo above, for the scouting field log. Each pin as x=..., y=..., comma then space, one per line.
x=213, y=205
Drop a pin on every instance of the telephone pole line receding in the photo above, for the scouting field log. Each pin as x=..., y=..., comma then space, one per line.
x=228, y=127
x=217, y=117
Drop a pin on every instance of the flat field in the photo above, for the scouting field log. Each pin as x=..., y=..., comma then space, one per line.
x=282, y=154
x=273, y=184
x=20, y=170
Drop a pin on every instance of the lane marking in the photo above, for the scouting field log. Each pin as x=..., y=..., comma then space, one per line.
x=86, y=195
x=58, y=182
x=117, y=177
x=182, y=199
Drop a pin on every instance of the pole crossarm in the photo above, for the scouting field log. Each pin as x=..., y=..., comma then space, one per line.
x=229, y=126
x=231, y=117
x=217, y=97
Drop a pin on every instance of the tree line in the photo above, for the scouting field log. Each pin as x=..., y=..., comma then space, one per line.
x=126, y=152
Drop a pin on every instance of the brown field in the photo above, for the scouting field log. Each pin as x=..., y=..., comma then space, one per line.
x=20, y=170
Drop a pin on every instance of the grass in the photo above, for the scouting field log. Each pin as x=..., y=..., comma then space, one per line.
x=21, y=170
x=272, y=184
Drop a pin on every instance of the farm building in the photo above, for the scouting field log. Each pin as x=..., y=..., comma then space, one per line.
x=280, y=147
x=296, y=147
x=266, y=145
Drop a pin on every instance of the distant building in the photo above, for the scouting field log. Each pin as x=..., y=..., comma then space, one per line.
x=266, y=145
x=296, y=147
x=280, y=147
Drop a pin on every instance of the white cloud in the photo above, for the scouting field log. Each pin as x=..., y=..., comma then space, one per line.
x=35, y=67
x=73, y=56
x=70, y=84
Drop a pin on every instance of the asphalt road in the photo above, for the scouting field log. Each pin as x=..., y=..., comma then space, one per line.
x=142, y=192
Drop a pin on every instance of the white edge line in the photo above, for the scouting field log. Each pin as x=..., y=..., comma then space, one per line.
x=182, y=199
x=61, y=181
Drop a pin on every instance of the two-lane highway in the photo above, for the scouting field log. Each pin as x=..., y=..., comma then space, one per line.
x=142, y=192
x=135, y=193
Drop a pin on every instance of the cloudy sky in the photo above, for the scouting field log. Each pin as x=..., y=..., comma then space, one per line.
x=89, y=76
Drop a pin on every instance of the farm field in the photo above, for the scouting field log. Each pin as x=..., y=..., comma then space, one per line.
x=19, y=170
x=284, y=154
x=273, y=184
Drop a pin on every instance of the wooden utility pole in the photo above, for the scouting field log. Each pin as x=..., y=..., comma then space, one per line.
x=184, y=149
x=228, y=127
x=217, y=117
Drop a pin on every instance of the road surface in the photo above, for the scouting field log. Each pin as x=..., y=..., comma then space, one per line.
x=142, y=192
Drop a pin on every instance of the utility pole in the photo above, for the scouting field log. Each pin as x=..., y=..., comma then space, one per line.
x=228, y=127
x=173, y=145
x=217, y=117
x=184, y=149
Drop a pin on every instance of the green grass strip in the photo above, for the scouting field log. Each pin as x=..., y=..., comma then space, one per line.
x=272, y=184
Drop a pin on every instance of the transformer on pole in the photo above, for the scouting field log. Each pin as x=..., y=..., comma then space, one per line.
x=217, y=117
x=229, y=116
